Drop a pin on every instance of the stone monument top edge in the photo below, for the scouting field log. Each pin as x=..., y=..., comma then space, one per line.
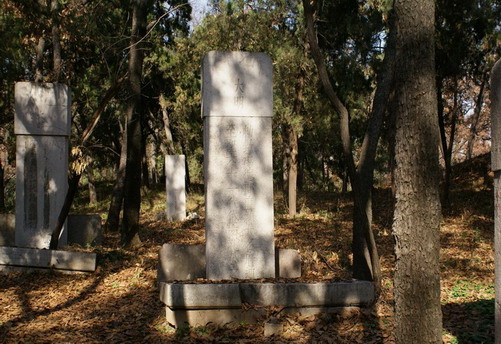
x=42, y=109
x=237, y=84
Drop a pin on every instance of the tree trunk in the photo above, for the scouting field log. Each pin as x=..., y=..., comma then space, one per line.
x=292, y=173
x=92, y=186
x=417, y=211
x=117, y=195
x=132, y=201
x=366, y=265
x=2, y=187
x=56, y=41
x=39, y=59
x=476, y=117
x=168, y=132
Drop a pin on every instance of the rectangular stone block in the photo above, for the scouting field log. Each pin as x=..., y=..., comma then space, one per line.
x=42, y=109
x=200, y=296
x=85, y=230
x=7, y=229
x=202, y=317
x=308, y=294
x=495, y=96
x=175, y=173
x=237, y=84
x=288, y=263
x=63, y=260
x=181, y=262
x=41, y=186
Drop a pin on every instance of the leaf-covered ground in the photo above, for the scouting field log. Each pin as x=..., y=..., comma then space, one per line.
x=119, y=302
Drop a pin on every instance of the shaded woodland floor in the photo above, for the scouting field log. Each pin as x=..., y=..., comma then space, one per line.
x=119, y=302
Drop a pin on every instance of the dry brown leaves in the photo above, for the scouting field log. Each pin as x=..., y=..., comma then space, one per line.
x=119, y=302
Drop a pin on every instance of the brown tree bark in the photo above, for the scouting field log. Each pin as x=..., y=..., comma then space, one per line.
x=476, y=117
x=56, y=41
x=417, y=211
x=39, y=59
x=117, y=195
x=132, y=201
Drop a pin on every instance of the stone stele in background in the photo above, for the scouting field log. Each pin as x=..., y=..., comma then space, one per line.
x=175, y=172
x=237, y=107
x=42, y=126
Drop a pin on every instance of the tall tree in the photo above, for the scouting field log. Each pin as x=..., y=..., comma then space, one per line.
x=417, y=211
x=366, y=263
x=135, y=110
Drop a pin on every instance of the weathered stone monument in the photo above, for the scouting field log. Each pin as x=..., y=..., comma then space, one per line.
x=237, y=108
x=496, y=168
x=175, y=173
x=42, y=126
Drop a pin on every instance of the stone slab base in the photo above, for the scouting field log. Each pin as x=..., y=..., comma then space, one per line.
x=47, y=259
x=199, y=304
x=202, y=317
x=187, y=262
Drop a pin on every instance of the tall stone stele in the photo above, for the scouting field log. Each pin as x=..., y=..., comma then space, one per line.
x=42, y=127
x=237, y=108
x=496, y=168
x=175, y=173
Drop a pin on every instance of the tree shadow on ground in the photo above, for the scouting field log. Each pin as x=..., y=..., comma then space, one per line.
x=470, y=322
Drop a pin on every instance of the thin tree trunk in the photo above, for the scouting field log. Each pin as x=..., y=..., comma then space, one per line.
x=366, y=263
x=132, y=203
x=117, y=195
x=475, y=119
x=39, y=59
x=292, y=180
x=168, y=132
x=2, y=187
x=417, y=210
x=56, y=41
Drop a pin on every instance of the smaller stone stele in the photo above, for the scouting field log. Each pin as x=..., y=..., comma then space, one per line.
x=175, y=173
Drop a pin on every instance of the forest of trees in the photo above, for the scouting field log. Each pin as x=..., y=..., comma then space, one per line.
x=345, y=105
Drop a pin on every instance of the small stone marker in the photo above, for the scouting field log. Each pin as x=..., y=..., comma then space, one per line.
x=42, y=126
x=496, y=167
x=237, y=107
x=175, y=172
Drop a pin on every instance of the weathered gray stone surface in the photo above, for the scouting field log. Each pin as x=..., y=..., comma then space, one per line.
x=308, y=294
x=187, y=262
x=42, y=125
x=495, y=96
x=85, y=230
x=181, y=262
x=237, y=84
x=175, y=173
x=63, y=260
x=200, y=296
x=82, y=230
x=42, y=109
x=7, y=229
x=41, y=186
x=288, y=263
x=237, y=109
x=201, y=317
x=231, y=295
